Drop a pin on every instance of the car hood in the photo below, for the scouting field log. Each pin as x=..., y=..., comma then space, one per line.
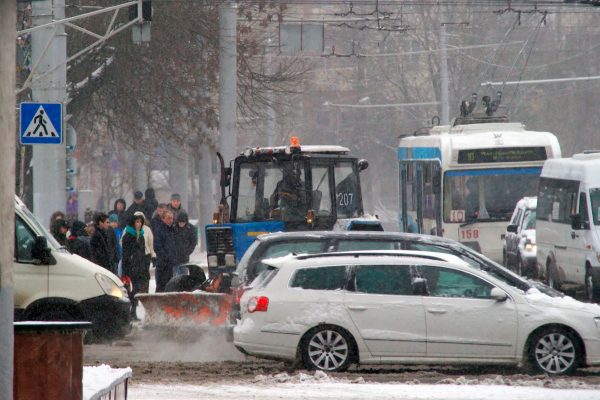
x=539, y=299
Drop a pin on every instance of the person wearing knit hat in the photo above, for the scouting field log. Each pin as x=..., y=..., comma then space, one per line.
x=175, y=205
x=186, y=238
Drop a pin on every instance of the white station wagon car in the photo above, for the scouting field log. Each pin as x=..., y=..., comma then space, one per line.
x=331, y=310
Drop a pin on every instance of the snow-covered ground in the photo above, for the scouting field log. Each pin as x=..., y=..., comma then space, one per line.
x=320, y=386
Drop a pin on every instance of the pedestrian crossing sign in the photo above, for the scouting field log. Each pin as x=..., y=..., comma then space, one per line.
x=41, y=123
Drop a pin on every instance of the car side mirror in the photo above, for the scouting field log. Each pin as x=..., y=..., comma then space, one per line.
x=41, y=252
x=577, y=222
x=363, y=164
x=498, y=294
x=512, y=228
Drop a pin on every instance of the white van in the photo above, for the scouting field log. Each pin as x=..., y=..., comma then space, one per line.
x=568, y=223
x=51, y=284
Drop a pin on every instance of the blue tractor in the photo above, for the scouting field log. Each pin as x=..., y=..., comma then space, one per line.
x=287, y=188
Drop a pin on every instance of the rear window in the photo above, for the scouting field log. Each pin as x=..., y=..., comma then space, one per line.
x=322, y=278
x=264, y=277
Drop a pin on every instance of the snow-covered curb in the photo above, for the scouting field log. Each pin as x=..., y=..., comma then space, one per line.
x=102, y=379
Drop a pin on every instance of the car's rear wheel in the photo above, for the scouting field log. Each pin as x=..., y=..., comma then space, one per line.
x=555, y=351
x=327, y=348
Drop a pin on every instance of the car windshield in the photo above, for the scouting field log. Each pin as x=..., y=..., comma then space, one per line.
x=487, y=194
x=529, y=221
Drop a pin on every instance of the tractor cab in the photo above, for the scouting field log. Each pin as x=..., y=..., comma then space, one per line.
x=287, y=188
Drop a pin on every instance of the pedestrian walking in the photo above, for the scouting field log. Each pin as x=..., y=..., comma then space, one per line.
x=59, y=230
x=164, y=245
x=186, y=239
x=156, y=217
x=78, y=241
x=150, y=203
x=119, y=208
x=149, y=242
x=134, y=259
x=175, y=205
x=113, y=220
x=104, y=249
x=72, y=207
x=137, y=205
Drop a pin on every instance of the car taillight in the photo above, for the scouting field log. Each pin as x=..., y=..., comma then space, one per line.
x=258, y=304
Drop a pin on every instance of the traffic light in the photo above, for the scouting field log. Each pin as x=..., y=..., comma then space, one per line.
x=146, y=11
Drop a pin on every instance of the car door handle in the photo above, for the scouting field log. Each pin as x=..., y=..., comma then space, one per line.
x=357, y=308
x=436, y=311
x=574, y=235
x=560, y=247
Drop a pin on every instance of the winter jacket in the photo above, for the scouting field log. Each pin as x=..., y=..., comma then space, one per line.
x=121, y=215
x=133, y=208
x=105, y=249
x=150, y=202
x=164, y=245
x=185, y=242
x=149, y=239
x=134, y=250
x=79, y=242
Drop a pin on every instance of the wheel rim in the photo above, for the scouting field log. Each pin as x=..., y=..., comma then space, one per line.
x=328, y=350
x=555, y=353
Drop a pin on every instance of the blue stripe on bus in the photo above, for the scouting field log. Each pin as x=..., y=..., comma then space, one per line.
x=503, y=171
x=409, y=153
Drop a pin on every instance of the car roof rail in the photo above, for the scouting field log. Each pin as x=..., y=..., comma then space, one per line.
x=394, y=253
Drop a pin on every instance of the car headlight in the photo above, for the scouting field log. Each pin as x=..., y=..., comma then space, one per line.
x=530, y=247
x=109, y=286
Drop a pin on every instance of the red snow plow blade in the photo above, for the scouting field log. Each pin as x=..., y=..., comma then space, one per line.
x=186, y=309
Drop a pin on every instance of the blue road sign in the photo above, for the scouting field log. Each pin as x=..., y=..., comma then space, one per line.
x=41, y=123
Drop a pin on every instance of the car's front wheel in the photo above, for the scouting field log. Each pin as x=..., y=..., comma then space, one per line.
x=327, y=348
x=555, y=351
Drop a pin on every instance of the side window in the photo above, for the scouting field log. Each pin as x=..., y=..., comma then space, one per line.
x=347, y=245
x=321, y=195
x=321, y=278
x=24, y=239
x=446, y=282
x=383, y=279
x=583, y=209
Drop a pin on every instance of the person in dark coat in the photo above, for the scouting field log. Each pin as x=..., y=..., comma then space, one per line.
x=175, y=205
x=79, y=242
x=134, y=259
x=164, y=246
x=156, y=217
x=138, y=205
x=104, y=247
x=59, y=229
x=186, y=239
x=150, y=202
x=119, y=209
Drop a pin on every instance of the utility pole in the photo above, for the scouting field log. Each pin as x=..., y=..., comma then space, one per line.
x=49, y=167
x=228, y=79
x=445, y=114
x=8, y=18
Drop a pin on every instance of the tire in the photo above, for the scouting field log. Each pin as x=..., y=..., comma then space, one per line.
x=591, y=287
x=519, y=267
x=551, y=277
x=53, y=313
x=555, y=351
x=327, y=348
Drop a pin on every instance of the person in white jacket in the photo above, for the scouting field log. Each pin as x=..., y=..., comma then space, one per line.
x=149, y=241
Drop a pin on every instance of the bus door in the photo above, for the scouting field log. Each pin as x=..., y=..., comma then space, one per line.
x=420, y=196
